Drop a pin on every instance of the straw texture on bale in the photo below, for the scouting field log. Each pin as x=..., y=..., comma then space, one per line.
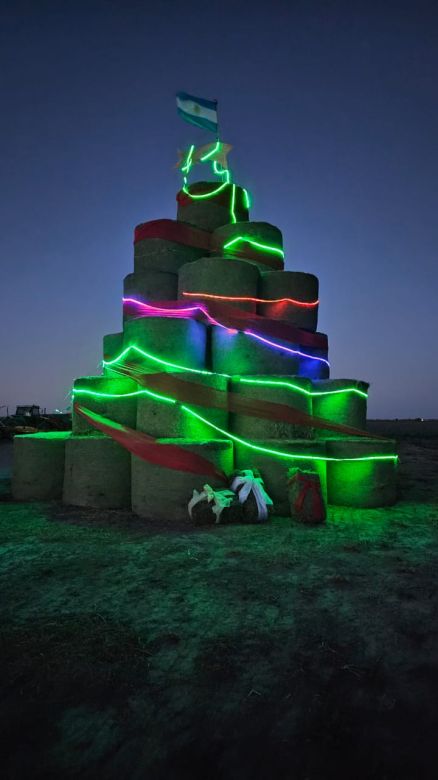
x=159, y=493
x=257, y=428
x=220, y=276
x=119, y=410
x=289, y=284
x=343, y=408
x=370, y=483
x=179, y=341
x=159, y=254
x=238, y=353
x=151, y=286
x=262, y=232
x=38, y=467
x=162, y=419
x=274, y=468
x=97, y=473
x=211, y=213
x=112, y=345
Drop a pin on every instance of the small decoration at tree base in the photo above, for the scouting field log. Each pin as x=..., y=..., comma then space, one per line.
x=305, y=497
x=249, y=487
x=210, y=507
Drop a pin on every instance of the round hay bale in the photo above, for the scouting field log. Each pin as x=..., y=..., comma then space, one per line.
x=38, y=466
x=238, y=353
x=274, y=468
x=159, y=419
x=275, y=285
x=159, y=254
x=112, y=345
x=119, y=410
x=178, y=341
x=209, y=213
x=97, y=473
x=159, y=493
x=249, y=427
x=369, y=483
x=343, y=408
x=150, y=286
x=220, y=276
x=260, y=232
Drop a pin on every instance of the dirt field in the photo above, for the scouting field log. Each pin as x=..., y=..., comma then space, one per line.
x=243, y=653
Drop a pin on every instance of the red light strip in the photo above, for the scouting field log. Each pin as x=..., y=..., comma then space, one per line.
x=292, y=301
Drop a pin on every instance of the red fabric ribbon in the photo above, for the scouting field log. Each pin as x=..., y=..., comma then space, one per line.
x=182, y=233
x=147, y=448
x=311, y=486
x=237, y=319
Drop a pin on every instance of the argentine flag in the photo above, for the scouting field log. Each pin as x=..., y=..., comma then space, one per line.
x=198, y=111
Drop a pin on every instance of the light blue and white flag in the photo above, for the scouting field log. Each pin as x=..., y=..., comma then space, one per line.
x=198, y=111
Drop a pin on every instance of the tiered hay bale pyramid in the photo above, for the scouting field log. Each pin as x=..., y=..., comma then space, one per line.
x=213, y=327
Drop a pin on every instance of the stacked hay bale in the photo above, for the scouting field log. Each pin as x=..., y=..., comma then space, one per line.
x=211, y=253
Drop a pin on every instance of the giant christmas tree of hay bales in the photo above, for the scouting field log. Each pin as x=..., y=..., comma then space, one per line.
x=219, y=357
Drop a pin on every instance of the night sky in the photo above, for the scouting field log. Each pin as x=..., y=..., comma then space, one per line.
x=333, y=115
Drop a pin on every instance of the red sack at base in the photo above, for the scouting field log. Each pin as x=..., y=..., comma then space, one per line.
x=305, y=497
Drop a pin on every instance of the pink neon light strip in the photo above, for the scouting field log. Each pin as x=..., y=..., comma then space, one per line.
x=185, y=312
x=285, y=349
x=157, y=311
x=307, y=304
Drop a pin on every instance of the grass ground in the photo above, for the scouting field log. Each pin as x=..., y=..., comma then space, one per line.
x=251, y=652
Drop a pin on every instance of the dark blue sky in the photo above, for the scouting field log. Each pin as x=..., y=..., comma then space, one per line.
x=332, y=111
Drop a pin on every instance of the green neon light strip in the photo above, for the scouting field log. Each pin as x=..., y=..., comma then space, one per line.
x=266, y=450
x=96, y=394
x=205, y=195
x=188, y=162
x=211, y=153
x=246, y=198
x=263, y=247
x=203, y=372
x=280, y=454
x=272, y=383
x=233, y=202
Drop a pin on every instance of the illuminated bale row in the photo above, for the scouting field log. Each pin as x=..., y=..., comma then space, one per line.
x=220, y=276
x=163, y=494
x=97, y=473
x=247, y=355
x=38, y=470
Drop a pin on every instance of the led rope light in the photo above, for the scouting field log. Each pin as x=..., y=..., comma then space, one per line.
x=250, y=445
x=263, y=247
x=204, y=195
x=188, y=163
x=287, y=455
x=246, y=198
x=175, y=313
x=203, y=372
x=232, y=204
x=211, y=152
x=280, y=383
x=285, y=349
x=292, y=301
x=182, y=313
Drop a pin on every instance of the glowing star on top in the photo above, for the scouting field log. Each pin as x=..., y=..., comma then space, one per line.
x=198, y=111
